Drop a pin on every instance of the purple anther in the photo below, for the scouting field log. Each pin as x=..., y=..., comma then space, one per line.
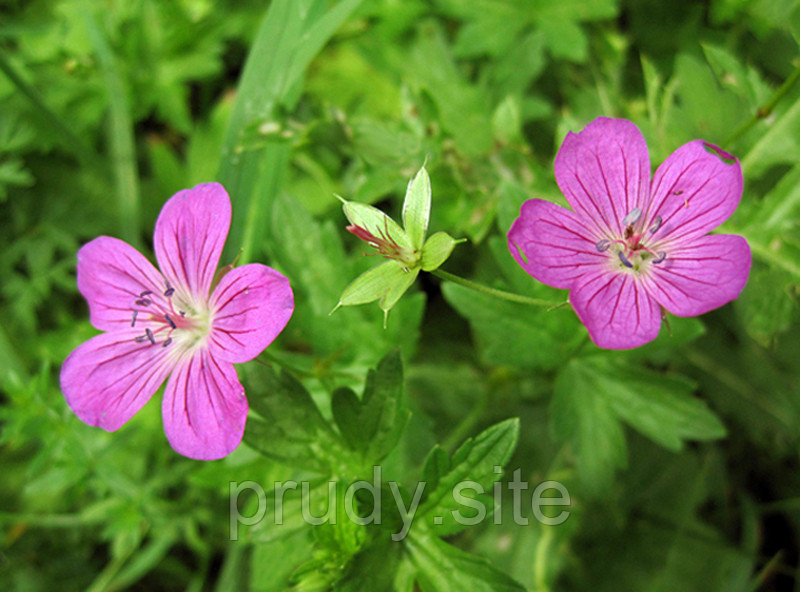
x=167, y=341
x=603, y=245
x=170, y=321
x=661, y=256
x=133, y=320
x=169, y=292
x=149, y=335
x=624, y=260
x=145, y=293
x=143, y=302
x=632, y=217
x=140, y=338
x=655, y=225
x=183, y=314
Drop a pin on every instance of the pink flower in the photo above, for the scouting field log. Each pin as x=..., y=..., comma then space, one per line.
x=172, y=324
x=631, y=245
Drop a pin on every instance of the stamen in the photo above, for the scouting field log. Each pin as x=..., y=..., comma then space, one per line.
x=142, y=302
x=149, y=335
x=632, y=217
x=135, y=314
x=140, y=338
x=603, y=245
x=656, y=224
x=624, y=260
x=661, y=256
x=167, y=342
x=145, y=293
x=170, y=321
x=169, y=292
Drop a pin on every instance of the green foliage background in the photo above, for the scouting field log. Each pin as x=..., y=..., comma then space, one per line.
x=681, y=457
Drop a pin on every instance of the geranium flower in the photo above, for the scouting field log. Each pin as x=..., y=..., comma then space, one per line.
x=175, y=324
x=631, y=246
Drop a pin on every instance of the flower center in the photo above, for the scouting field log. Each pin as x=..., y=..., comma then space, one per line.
x=163, y=324
x=386, y=245
x=631, y=248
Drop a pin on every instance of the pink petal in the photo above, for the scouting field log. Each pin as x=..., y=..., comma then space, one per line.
x=189, y=236
x=616, y=309
x=694, y=191
x=251, y=305
x=110, y=377
x=701, y=276
x=111, y=276
x=553, y=244
x=204, y=408
x=604, y=172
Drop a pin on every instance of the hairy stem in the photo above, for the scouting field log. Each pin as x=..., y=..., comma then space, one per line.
x=502, y=294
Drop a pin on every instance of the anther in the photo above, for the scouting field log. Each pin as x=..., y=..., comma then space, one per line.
x=169, y=292
x=149, y=335
x=632, y=217
x=661, y=256
x=603, y=245
x=142, y=302
x=624, y=260
x=167, y=342
x=170, y=321
x=140, y=338
x=133, y=320
x=656, y=224
x=145, y=293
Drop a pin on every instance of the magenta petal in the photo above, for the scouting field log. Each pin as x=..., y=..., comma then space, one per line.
x=616, y=309
x=694, y=191
x=251, y=305
x=111, y=275
x=604, y=172
x=553, y=244
x=702, y=276
x=189, y=237
x=204, y=408
x=110, y=377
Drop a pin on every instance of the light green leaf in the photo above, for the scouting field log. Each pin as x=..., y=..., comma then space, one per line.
x=397, y=289
x=417, y=208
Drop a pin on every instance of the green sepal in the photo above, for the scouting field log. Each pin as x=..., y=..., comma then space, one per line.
x=417, y=208
x=396, y=291
x=375, y=222
x=373, y=284
x=437, y=249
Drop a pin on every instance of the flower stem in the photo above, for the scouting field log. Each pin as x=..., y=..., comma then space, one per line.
x=766, y=109
x=502, y=294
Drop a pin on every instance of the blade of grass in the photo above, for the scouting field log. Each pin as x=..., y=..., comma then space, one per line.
x=120, y=132
x=291, y=34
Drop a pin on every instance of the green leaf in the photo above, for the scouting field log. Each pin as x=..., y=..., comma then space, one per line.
x=476, y=460
x=373, y=424
x=397, y=289
x=593, y=395
x=289, y=428
x=436, y=250
x=444, y=568
x=417, y=208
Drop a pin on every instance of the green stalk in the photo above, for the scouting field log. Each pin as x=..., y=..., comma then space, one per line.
x=502, y=294
x=766, y=109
